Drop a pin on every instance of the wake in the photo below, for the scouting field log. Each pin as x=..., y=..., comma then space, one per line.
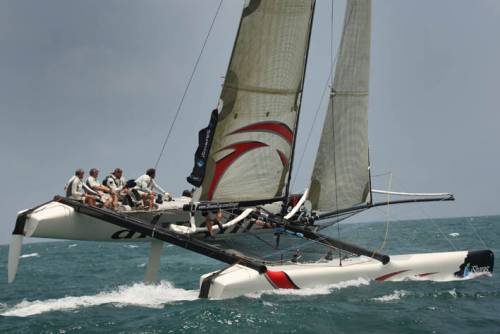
x=139, y=294
x=320, y=290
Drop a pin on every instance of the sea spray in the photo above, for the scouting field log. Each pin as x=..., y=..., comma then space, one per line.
x=319, y=290
x=139, y=294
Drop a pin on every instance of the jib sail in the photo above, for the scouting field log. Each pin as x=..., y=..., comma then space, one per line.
x=340, y=177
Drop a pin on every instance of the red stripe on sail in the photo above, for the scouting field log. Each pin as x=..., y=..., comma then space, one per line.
x=283, y=158
x=281, y=129
x=223, y=164
x=280, y=280
x=426, y=274
x=387, y=276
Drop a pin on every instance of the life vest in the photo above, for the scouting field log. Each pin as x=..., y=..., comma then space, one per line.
x=106, y=180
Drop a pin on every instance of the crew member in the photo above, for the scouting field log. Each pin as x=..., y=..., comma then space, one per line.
x=210, y=218
x=107, y=196
x=117, y=184
x=79, y=191
x=145, y=186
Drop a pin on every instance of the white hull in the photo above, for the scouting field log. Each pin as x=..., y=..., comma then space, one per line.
x=238, y=280
x=59, y=221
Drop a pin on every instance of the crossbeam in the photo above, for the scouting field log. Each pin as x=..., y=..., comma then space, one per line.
x=163, y=234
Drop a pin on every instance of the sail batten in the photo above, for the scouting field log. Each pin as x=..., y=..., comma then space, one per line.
x=340, y=178
x=252, y=147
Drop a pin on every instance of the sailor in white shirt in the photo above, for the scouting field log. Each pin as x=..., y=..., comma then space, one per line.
x=79, y=191
x=146, y=185
x=107, y=196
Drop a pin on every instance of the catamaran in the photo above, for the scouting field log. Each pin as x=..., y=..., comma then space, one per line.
x=269, y=238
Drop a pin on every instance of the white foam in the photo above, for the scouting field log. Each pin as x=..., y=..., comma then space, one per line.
x=396, y=295
x=453, y=293
x=454, y=234
x=72, y=245
x=319, y=290
x=29, y=255
x=151, y=296
x=132, y=246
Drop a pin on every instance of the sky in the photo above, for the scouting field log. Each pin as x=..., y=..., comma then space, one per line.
x=96, y=84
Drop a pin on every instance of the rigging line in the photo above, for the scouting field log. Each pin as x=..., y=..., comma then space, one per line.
x=188, y=85
x=433, y=221
x=438, y=228
x=387, y=217
x=297, y=169
x=382, y=174
x=347, y=19
x=475, y=232
x=262, y=240
x=311, y=130
x=307, y=242
x=332, y=59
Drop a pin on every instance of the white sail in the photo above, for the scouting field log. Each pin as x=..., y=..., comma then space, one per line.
x=340, y=178
x=253, y=143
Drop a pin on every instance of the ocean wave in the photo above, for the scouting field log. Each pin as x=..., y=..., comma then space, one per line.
x=319, y=290
x=150, y=296
x=396, y=295
x=3, y=307
x=29, y=255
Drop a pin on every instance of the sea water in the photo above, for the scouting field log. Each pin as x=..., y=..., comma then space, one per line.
x=85, y=287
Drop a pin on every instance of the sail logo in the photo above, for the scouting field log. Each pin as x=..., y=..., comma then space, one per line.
x=241, y=148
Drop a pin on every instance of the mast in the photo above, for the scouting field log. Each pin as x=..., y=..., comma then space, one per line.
x=287, y=190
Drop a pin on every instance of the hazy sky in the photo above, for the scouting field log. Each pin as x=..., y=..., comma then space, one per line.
x=96, y=83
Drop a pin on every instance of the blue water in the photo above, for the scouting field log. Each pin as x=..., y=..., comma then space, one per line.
x=82, y=287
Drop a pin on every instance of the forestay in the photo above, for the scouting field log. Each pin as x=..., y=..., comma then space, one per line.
x=251, y=151
x=340, y=177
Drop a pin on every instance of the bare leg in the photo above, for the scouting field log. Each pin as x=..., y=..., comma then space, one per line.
x=108, y=202
x=209, y=227
x=89, y=200
x=114, y=198
x=151, y=200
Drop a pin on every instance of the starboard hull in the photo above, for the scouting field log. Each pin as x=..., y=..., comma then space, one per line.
x=238, y=280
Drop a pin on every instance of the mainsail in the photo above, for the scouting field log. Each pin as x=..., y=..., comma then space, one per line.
x=251, y=152
x=340, y=178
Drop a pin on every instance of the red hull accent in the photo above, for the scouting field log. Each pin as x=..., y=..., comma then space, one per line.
x=280, y=280
x=387, y=276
